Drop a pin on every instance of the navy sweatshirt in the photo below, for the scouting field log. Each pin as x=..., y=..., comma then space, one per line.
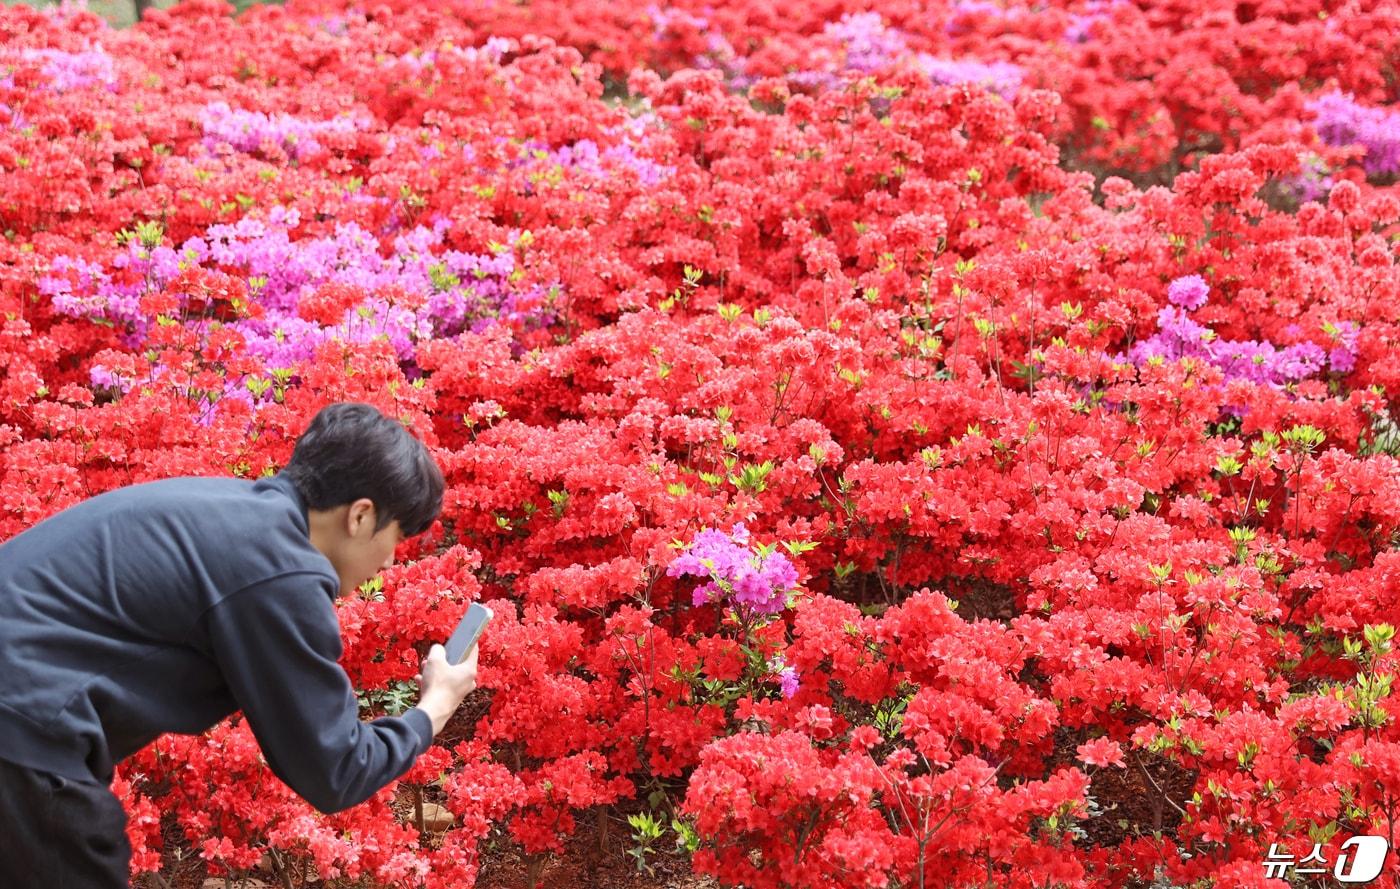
x=164, y=607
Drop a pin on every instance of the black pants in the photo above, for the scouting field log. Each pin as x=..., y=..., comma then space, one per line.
x=60, y=834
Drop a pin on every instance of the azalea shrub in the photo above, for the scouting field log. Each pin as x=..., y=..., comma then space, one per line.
x=945, y=446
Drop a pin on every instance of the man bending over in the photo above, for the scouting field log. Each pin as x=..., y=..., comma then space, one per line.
x=164, y=607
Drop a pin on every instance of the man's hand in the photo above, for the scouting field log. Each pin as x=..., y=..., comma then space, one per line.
x=442, y=686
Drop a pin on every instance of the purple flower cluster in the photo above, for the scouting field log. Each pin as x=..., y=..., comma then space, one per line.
x=1002, y=78
x=721, y=56
x=758, y=582
x=1313, y=183
x=788, y=682
x=870, y=45
x=1179, y=336
x=83, y=289
x=585, y=156
x=103, y=378
x=250, y=131
x=1342, y=356
x=1188, y=293
x=73, y=70
x=866, y=45
x=1340, y=121
x=454, y=291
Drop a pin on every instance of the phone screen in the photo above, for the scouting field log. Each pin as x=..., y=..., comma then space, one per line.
x=467, y=632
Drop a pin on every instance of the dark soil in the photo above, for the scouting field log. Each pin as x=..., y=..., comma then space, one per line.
x=592, y=860
x=596, y=856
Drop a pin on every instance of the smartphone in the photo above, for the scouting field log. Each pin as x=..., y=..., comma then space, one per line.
x=467, y=632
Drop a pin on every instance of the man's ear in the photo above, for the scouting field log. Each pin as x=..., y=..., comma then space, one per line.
x=360, y=517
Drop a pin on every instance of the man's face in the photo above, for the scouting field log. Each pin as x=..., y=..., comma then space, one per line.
x=367, y=552
x=347, y=537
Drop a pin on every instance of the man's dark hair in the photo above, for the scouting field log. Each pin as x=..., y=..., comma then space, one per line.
x=350, y=451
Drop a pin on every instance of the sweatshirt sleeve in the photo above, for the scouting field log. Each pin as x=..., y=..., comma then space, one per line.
x=278, y=645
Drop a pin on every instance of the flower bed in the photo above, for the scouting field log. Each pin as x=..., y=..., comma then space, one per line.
x=950, y=446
